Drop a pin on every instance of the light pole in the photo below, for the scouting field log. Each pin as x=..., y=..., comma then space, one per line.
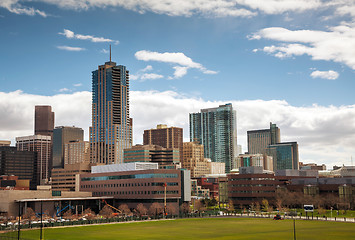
x=164, y=200
x=294, y=229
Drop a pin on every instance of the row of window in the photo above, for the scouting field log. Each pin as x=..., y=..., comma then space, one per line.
x=131, y=185
x=132, y=176
x=134, y=193
x=252, y=191
x=252, y=185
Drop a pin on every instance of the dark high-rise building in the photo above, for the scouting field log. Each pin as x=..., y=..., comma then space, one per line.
x=216, y=130
x=61, y=136
x=111, y=130
x=19, y=163
x=163, y=136
x=259, y=140
x=44, y=120
x=42, y=145
x=285, y=155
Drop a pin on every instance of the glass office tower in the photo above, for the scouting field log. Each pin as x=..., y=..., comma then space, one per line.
x=111, y=130
x=216, y=130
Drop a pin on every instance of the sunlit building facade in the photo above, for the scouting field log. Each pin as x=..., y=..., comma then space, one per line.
x=111, y=130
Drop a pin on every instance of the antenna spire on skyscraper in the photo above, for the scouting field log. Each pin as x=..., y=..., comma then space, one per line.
x=110, y=52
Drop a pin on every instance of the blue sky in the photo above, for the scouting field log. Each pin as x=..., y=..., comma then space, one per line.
x=299, y=54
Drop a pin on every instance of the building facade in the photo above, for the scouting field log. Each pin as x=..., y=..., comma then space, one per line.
x=22, y=164
x=64, y=179
x=4, y=143
x=42, y=145
x=165, y=157
x=111, y=130
x=140, y=186
x=285, y=155
x=216, y=130
x=255, y=160
x=194, y=160
x=61, y=136
x=76, y=152
x=44, y=120
x=171, y=137
x=259, y=140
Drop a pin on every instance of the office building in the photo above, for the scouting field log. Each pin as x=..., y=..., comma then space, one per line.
x=216, y=130
x=255, y=160
x=133, y=186
x=259, y=140
x=285, y=155
x=4, y=143
x=194, y=160
x=61, y=136
x=42, y=145
x=216, y=168
x=165, y=157
x=171, y=137
x=76, y=152
x=44, y=120
x=111, y=130
x=64, y=179
x=22, y=164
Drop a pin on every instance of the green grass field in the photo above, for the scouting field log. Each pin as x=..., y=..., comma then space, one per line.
x=210, y=228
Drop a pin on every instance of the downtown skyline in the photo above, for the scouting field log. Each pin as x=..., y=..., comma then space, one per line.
x=291, y=64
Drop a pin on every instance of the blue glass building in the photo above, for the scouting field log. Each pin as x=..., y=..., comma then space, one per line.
x=216, y=130
x=111, y=130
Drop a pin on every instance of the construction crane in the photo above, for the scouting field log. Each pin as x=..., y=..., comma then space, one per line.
x=59, y=211
x=104, y=201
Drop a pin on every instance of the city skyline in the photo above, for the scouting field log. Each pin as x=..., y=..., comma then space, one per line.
x=291, y=64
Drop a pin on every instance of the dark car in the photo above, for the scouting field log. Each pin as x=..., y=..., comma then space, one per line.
x=277, y=217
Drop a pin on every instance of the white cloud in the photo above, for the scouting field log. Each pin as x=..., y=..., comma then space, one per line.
x=325, y=134
x=77, y=84
x=151, y=76
x=141, y=75
x=72, y=49
x=70, y=34
x=104, y=51
x=337, y=44
x=64, y=90
x=174, y=58
x=15, y=7
x=331, y=75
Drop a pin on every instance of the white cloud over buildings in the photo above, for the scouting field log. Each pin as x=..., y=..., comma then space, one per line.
x=326, y=134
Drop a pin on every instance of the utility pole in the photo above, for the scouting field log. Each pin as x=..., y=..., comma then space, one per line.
x=294, y=229
x=164, y=200
x=40, y=233
x=19, y=220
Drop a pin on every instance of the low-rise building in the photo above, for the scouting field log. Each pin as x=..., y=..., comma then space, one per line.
x=140, y=186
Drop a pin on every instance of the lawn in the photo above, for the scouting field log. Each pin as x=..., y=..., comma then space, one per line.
x=209, y=228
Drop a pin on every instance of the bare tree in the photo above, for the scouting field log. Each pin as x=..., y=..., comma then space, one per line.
x=106, y=212
x=125, y=209
x=171, y=209
x=185, y=208
x=142, y=210
x=30, y=214
x=155, y=209
x=68, y=214
x=89, y=214
x=199, y=206
x=231, y=206
x=257, y=207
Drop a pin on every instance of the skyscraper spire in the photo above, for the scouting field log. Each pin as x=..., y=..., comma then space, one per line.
x=110, y=52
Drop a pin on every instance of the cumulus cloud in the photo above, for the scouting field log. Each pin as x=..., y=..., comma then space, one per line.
x=71, y=35
x=331, y=75
x=325, y=134
x=174, y=58
x=15, y=7
x=71, y=49
x=64, y=90
x=337, y=44
x=142, y=74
